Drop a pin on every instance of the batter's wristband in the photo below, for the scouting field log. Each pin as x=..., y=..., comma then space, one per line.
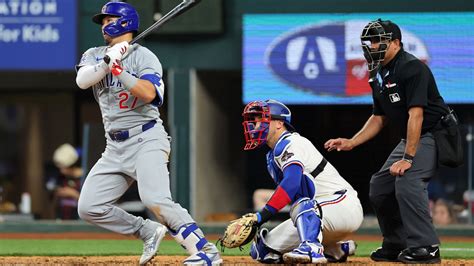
x=265, y=215
x=127, y=80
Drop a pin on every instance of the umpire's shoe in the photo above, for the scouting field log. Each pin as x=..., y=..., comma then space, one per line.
x=150, y=246
x=382, y=254
x=420, y=255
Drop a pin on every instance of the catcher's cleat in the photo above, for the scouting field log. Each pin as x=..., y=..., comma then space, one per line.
x=208, y=255
x=307, y=252
x=150, y=246
x=347, y=248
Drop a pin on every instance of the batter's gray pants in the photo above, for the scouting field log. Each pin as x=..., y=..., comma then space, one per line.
x=142, y=158
x=401, y=202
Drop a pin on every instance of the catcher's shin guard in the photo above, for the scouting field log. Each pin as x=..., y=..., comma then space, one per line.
x=306, y=220
x=192, y=239
x=260, y=252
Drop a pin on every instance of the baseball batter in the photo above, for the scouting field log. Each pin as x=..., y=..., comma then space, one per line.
x=129, y=90
x=324, y=207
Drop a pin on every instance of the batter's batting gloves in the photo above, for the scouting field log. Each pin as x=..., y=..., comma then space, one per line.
x=116, y=52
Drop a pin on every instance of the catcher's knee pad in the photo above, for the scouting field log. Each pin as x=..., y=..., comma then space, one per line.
x=260, y=252
x=190, y=237
x=304, y=214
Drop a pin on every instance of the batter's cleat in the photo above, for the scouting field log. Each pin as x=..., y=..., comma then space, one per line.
x=420, y=255
x=307, y=252
x=347, y=248
x=382, y=254
x=208, y=255
x=150, y=246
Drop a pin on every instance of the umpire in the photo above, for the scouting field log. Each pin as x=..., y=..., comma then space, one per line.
x=405, y=93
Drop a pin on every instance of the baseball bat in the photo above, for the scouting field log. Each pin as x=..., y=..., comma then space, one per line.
x=176, y=11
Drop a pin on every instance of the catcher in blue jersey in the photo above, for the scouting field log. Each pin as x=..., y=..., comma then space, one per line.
x=325, y=208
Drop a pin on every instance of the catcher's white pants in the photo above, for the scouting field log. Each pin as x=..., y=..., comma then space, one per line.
x=342, y=215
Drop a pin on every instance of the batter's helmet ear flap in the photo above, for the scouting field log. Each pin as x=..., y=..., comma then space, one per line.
x=128, y=21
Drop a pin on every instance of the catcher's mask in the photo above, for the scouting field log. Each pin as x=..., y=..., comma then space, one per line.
x=128, y=18
x=381, y=32
x=257, y=116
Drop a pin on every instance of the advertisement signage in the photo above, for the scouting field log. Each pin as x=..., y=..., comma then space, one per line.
x=317, y=58
x=38, y=34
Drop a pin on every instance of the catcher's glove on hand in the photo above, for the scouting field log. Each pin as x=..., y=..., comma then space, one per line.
x=241, y=231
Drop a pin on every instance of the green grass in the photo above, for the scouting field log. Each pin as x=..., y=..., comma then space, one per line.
x=47, y=247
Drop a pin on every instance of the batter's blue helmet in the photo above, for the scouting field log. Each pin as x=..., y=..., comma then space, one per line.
x=128, y=18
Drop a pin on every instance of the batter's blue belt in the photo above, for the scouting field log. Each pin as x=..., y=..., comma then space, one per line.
x=125, y=134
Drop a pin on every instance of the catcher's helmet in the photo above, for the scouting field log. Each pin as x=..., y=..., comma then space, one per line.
x=378, y=31
x=262, y=112
x=128, y=18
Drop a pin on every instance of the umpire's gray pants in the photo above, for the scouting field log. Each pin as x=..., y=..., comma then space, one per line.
x=401, y=202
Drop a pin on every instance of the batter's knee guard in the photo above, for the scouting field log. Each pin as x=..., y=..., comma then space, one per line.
x=260, y=252
x=305, y=217
x=202, y=252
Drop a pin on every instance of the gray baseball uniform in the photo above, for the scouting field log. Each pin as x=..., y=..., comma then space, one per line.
x=142, y=156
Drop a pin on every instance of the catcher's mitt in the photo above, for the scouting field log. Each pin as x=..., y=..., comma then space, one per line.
x=240, y=232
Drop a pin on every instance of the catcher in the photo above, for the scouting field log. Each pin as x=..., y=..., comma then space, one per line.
x=324, y=207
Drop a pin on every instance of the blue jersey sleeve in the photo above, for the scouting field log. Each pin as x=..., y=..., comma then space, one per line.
x=288, y=188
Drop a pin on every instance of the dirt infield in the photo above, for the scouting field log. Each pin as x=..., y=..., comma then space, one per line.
x=170, y=260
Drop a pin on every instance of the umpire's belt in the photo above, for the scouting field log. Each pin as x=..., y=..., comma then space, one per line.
x=319, y=168
x=125, y=134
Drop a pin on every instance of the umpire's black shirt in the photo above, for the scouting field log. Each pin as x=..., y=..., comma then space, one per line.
x=403, y=83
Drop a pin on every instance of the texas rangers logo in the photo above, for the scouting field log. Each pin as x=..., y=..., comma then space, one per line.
x=286, y=155
x=394, y=97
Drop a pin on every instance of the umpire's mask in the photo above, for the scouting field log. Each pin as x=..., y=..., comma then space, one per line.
x=374, y=32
